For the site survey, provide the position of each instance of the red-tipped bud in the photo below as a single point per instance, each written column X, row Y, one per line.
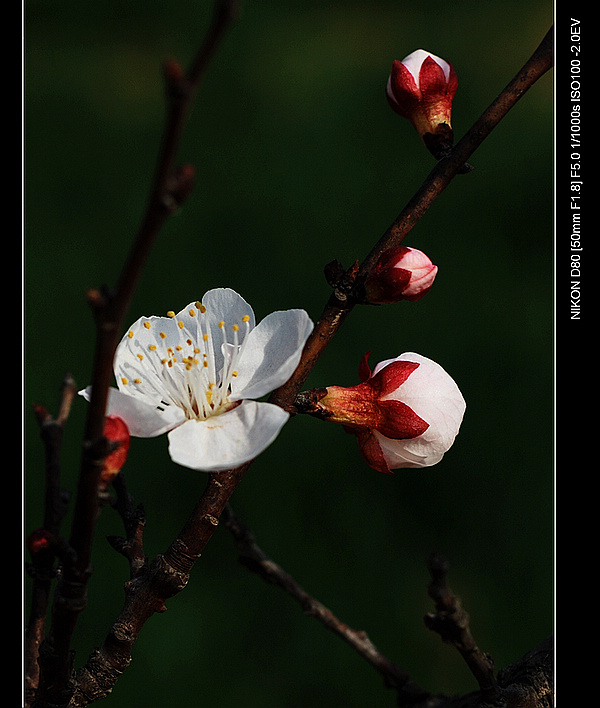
column 421, row 88
column 115, row 431
column 406, row 413
column 38, row 541
column 402, row 273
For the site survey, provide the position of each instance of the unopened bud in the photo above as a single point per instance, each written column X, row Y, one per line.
column 38, row 541
column 115, row 431
column 405, row 413
column 421, row 88
column 401, row 273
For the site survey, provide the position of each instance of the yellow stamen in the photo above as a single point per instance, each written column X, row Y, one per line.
column 170, row 313
column 124, row 381
column 147, row 325
column 152, row 347
column 246, row 318
column 192, row 313
column 130, row 334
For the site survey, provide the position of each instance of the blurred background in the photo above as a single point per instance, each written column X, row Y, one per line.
column 300, row 161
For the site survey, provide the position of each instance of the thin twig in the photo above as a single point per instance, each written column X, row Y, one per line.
column 55, row 507
column 254, row 558
column 451, row 622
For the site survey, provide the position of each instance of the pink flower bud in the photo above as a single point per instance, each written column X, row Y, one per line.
column 116, row 431
column 406, row 413
column 402, row 273
column 421, row 88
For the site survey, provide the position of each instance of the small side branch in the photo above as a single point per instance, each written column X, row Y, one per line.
column 44, row 543
column 258, row 562
column 451, row 622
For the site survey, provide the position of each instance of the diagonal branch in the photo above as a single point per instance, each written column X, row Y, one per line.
column 348, row 290
column 254, row 558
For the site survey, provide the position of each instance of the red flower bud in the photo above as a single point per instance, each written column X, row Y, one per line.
column 402, row 273
column 421, row 88
column 116, row 431
column 39, row 540
column 406, row 413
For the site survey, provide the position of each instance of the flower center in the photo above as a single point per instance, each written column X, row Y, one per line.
column 188, row 364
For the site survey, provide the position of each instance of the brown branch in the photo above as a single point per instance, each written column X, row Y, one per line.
column 42, row 567
column 451, row 622
column 169, row 188
column 134, row 521
column 348, row 289
column 254, row 558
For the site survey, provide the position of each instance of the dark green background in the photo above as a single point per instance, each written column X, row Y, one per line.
column 301, row 161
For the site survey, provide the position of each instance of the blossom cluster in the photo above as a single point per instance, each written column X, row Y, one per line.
column 197, row 375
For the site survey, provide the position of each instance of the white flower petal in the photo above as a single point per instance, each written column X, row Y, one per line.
column 142, row 417
column 434, row 396
column 271, row 353
column 398, row 453
column 414, row 61
column 227, row 440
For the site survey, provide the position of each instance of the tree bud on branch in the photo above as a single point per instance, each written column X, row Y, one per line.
column 421, row 88
column 402, row 273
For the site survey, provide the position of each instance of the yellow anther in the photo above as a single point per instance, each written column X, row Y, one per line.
column 152, row 347
column 235, row 328
column 246, row 318
column 137, row 381
column 201, row 307
column 189, row 342
column 192, row 313
column 205, row 364
column 221, row 324
column 124, row 380
column 163, row 335
column 140, row 357
column 163, row 361
column 196, row 350
column 179, row 347
column 180, row 324
column 130, row 334
column 170, row 313
column 147, row 325
column 188, row 367
column 205, row 337
column 234, row 373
